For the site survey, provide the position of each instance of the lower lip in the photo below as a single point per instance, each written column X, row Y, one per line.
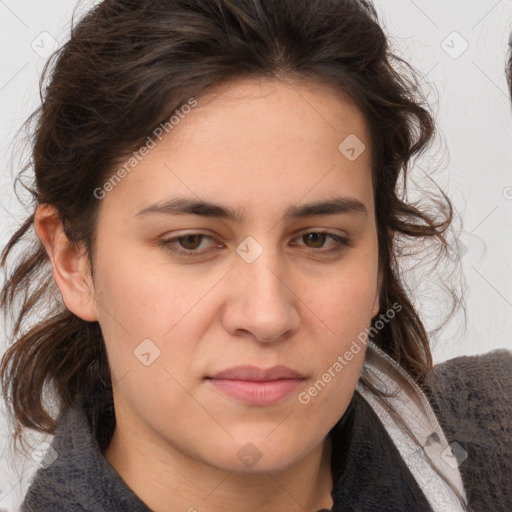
column 257, row 393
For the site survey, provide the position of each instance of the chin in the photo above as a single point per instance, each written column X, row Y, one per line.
column 259, row 453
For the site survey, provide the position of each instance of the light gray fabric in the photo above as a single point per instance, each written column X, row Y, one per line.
column 472, row 397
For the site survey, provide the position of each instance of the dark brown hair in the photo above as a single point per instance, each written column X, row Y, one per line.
column 127, row 66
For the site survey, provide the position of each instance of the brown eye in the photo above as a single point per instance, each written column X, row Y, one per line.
column 323, row 243
column 190, row 242
column 316, row 240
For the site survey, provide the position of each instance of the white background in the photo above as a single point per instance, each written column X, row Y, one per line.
column 468, row 93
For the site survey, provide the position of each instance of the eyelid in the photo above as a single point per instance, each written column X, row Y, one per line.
column 343, row 241
column 166, row 243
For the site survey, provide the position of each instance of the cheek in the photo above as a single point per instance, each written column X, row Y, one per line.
column 342, row 316
column 345, row 300
column 170, row 306
column 342, row 324
column 147, row 298
column 343, row 309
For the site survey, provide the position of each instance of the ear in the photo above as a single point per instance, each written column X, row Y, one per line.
column 70, row 266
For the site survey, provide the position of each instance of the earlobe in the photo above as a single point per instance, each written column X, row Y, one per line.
column 69, row 262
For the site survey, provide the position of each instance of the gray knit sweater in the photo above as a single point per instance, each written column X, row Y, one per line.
column 472, row 398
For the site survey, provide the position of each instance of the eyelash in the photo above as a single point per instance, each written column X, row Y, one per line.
column 341, row 241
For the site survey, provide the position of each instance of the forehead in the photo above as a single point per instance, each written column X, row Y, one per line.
column 239, row 114
column 254, row 143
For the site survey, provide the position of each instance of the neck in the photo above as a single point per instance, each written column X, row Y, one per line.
column 162, row 475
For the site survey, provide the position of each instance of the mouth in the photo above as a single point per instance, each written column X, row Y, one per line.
column 257, row 386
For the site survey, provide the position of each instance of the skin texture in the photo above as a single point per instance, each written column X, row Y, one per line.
column 258, row 146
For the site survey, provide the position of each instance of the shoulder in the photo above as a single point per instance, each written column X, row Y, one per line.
column 474, row 393
column 472, row 398
column 484, row 376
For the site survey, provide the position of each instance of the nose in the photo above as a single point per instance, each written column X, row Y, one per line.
column 262, row 303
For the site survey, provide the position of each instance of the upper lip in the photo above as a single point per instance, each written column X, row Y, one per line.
column 253, row 373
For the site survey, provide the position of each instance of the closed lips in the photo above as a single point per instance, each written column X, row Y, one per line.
column 253, row 373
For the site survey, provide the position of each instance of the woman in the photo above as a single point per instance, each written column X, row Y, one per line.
column 218, row 200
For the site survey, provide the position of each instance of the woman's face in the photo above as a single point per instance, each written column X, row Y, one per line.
column 281, row 269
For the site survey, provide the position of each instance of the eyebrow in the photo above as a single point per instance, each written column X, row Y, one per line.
column 186, row 206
